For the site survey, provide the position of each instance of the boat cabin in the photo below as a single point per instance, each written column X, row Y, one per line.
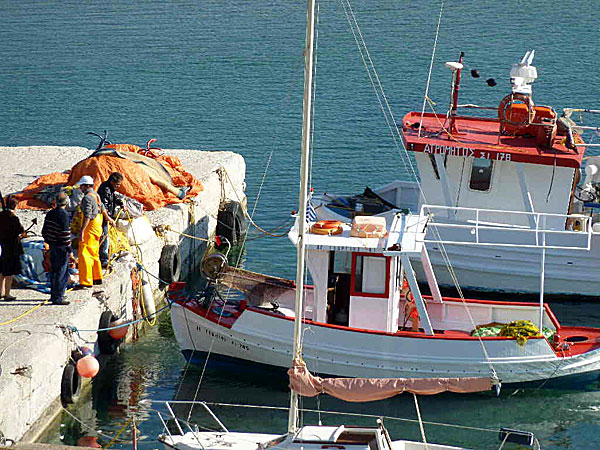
column 362, row 282
column 524, row 158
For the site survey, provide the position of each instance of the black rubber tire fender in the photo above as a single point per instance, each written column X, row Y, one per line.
column 169, row 266
column 231, row 223
column 106, row 344
column 70, row 384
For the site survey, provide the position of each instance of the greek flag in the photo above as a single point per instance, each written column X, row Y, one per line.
column 311, row 213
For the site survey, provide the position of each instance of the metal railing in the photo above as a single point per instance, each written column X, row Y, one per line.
column 193, row 428
column 493, row 227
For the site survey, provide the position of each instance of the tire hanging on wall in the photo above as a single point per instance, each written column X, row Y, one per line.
column 169, row 267
column 231, row 223
column 106, row 344
column 70, row 384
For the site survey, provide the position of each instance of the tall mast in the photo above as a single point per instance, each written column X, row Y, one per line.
column 306, row 133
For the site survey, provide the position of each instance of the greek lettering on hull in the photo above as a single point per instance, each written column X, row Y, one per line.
column 451, row 150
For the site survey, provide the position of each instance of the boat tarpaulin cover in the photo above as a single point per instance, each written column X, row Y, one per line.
column 371, row 389
column 137, row 182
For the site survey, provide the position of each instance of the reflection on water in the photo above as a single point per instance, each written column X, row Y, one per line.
column 154, row 369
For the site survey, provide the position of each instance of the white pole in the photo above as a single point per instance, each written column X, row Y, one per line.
column 306, row 132
column 542, row 273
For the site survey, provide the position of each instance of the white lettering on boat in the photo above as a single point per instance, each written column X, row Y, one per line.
column 465, row 151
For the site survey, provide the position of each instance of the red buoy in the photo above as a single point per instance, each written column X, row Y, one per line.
column 88, row 441
column 88, row 366
column 118, row 333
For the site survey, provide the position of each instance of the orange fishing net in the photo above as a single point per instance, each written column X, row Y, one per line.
column 137, row 178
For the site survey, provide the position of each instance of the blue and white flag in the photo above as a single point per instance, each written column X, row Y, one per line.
column 311, row 213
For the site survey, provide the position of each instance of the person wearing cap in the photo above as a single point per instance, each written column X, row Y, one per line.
column 90, row 268
column 10, row 242
column 57, row 234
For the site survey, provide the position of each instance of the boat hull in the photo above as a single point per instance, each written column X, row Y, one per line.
column 265, row 339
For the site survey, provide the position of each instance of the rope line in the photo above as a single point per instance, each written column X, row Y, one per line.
column 421, row 427
column 426, row 96
column 349, row 414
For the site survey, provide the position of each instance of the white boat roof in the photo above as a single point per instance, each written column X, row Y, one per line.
column 405, row 236
column 319, row 433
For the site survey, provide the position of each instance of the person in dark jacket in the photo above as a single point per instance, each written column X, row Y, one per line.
column 57, row 234
column 106, row 191
column 10, row 243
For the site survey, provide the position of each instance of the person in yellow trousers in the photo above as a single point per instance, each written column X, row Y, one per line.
column 90, row 268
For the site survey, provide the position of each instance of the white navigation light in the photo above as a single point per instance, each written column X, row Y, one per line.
column 454, row 65
column 523, row 74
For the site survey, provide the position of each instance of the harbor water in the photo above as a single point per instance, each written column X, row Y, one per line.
column 228, row 75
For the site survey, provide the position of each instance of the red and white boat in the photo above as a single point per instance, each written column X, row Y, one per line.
column 503, row 169
column 354, row 313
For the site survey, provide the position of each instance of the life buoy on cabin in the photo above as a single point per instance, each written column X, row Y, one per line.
column 70, row 384
column 516, row 112
column 231, row 223
column 327, row 227
column 169, row 266
column 106, row 344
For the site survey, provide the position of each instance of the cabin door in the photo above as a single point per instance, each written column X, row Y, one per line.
column 338, row 287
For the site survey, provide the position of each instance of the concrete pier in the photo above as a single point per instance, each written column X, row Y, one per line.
column 36, row 339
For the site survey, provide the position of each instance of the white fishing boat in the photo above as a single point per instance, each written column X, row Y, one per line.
column 523, row 158
column 301, row 381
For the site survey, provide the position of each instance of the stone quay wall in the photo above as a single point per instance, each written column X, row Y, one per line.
column 36, row 339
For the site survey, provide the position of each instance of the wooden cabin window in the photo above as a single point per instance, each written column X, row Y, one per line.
column 370, row 275
column 481, row 174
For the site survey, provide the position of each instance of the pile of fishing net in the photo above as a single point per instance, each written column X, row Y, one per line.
column 520, row 329
column 151, row 178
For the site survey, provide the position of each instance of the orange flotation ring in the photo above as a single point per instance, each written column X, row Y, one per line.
column 328, row 227
column 516, row 112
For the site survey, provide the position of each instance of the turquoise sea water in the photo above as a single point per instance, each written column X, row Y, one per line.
column 227, row 75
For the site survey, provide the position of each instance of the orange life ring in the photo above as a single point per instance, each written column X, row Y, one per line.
column 328, row 227
column 513, row 119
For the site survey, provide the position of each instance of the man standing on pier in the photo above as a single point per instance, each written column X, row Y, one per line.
column 57, row 234
column 106, row 191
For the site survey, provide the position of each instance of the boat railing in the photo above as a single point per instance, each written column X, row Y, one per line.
column 492, row 227
column 193, row 428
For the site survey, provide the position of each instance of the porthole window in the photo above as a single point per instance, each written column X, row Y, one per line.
column 481, row 174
